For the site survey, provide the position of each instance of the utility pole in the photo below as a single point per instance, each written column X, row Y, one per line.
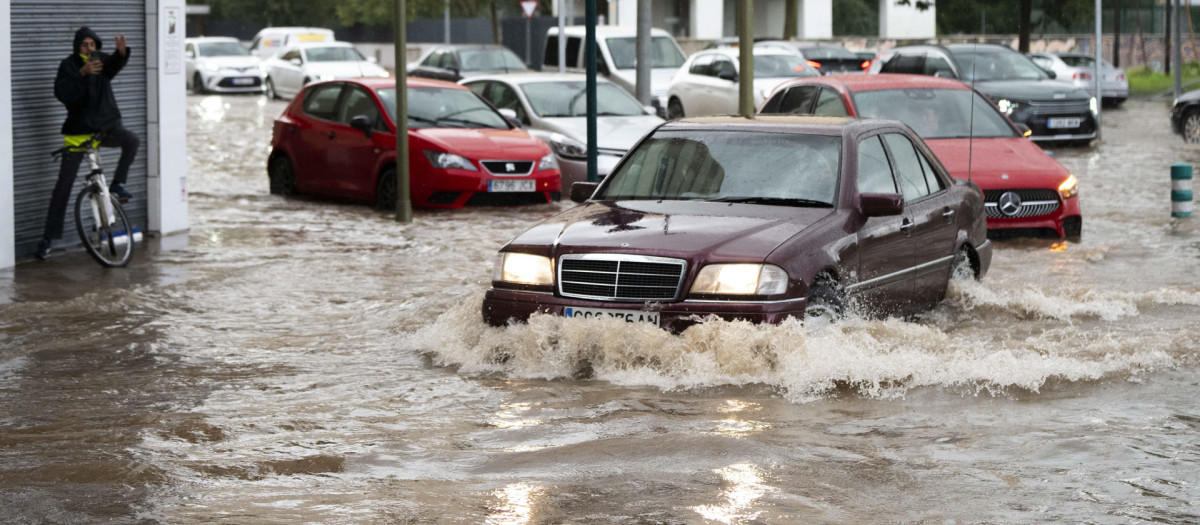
column 745, row 25
column 403, row 199
column 643, row 52
column 590, row 52
column 1099, row 52
column 1177, row 48
column 447, row 31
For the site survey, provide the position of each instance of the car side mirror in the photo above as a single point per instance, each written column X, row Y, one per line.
column 1052, row 74
column 296, row 62
column 363, row 123
column 582, row 191
column 601, row 66
column 1024, row 129
column 728, row 75
column 510, row 115
column 944, row 74
column 189, row 54
column 881, row 204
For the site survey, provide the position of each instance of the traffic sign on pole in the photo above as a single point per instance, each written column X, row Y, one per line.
column 528, row 6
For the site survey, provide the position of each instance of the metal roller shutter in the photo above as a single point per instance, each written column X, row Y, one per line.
column 42, row 32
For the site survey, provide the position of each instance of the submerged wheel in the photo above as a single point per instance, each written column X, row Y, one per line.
column 1191, row 127
column 674, row 109
column 282, row 175
column 964, row 266
column 270, row 89
column 826, row 302
column 109, row 240
column 385, row 190
column 198, row 84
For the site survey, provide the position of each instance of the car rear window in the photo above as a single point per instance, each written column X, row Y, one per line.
column 731, row 165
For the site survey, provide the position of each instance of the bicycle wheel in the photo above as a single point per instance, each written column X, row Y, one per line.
column 109, row 242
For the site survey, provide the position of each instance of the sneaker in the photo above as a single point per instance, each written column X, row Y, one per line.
column 43, row 250
column 121, row 194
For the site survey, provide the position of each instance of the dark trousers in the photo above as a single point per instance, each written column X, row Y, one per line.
column 116, row 138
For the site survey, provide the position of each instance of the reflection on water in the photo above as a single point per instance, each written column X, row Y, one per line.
column 743, row 487
column 516, row 506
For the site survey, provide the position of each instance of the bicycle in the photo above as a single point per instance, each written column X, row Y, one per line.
column 102, row 225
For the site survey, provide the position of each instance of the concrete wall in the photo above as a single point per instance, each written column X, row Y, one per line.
column 906, row 21
column 8, row 247
column 816, row 19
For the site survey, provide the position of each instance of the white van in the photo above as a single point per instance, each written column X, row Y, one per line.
column 270, row 41
column 616, row 58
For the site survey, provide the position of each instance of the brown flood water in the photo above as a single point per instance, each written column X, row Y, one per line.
column 306, row 360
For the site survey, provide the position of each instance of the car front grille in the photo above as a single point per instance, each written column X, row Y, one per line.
column 1033, row 203
column 618, row 277
column 508, row 167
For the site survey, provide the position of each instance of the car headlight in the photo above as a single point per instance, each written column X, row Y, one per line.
column 1069, row 188
column 523, row 268
column 568, row 147
column 741, row 279
column 444, row 161
column 212, row 67
column 549, row 162
column 384, row 74
column 1006, row 106
column 1093, row 105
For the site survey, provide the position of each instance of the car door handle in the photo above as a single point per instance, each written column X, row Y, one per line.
column 906, row 226
column 948, row 214
column 331, row 134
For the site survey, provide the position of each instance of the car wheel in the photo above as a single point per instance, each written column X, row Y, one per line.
column 282, row 175
column 270, row 90
column 1191, row 126
column 198, row 84
column 1073, row 228
column 385, row 190
column 825, row 302
column 674, row 109
column 964, row 266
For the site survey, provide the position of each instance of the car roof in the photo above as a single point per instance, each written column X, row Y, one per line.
column 606, row 31
column 732, row 52
column 286, row 29
column 210, row 39
column 806, row 124
column 387, row 82
column 857, row 83
column 972, row 47
column 470, row 46
column 534, row 76
column 328, row 43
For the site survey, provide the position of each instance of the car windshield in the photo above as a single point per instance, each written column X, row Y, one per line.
column 996, row 64
column 782, row 66
column 223, row 49
column 430, row 107
column 569, row 99
column 935, row 113
column 333, row 54
column 490, row 59
column 730, row 166
column 818, row 53
column 663, row 52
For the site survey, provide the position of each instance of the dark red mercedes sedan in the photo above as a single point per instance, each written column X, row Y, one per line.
column 757, row 219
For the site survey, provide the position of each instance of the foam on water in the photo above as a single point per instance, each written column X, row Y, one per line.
column 876, row 358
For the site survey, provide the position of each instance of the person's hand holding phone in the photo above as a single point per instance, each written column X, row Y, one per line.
column 92, row 66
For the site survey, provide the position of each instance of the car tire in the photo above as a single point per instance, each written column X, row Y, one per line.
column 385, row 190
column 826, row 302
column 1191, row 126
column 282, row 175
column 1073, row 228
column 198, row 84
column 270, row 89
column 674, row 109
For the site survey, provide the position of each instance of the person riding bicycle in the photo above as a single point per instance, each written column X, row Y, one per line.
column 84, row 86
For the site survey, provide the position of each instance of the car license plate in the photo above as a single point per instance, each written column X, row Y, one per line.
column 1062, row 123
column 630, row 316
column 242, row 81
column 504, row 185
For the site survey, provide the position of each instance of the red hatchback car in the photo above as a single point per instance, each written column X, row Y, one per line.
column 1025, row 190
column 338, row 139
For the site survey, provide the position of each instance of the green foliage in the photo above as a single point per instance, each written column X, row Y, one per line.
column 855, row 17
column 324, row 13
column 1144, row 81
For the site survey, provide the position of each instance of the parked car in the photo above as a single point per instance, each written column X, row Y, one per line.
column 757, row 219
column 290, row 71
column 828, row 59
column 1185, row 116
column 1080, row 70
column 337, row 138
column 222, row 65
column 456, row 62
column 1025, row 190
column 553, row 107
column 616, row 58
column 273, row 40
column 708, row 83
column 1056, row 112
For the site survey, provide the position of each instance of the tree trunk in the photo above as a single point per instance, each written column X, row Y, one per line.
column 1116, row 53
column 1026, row 9
column 1167, row 39
column 790, row 13
column 499, row 38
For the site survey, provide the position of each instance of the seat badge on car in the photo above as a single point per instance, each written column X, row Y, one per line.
column 1010, row 203
column 510, row 167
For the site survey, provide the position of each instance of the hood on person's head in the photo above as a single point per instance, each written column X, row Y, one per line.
column 86, row 32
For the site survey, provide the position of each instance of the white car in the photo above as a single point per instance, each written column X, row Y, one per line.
column 553, row 107
column 1079, row 70
column 707, row 84
column 221, row 65
column 289, row 71
column 272, row 40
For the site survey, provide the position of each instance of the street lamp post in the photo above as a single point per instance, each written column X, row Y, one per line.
column 403, row 199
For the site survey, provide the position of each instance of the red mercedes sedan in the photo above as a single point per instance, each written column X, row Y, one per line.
column 1025, row 190
column 338, row 139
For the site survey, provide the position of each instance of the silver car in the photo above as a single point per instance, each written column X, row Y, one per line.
column 1079, row 69
column 553, row 107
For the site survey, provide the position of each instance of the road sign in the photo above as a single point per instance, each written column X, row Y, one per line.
column 528, row 6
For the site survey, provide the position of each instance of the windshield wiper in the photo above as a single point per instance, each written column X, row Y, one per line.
column 468, row 122
column 776, row 201
column 422, row 119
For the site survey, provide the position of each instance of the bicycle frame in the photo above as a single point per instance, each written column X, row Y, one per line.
column 95, row 180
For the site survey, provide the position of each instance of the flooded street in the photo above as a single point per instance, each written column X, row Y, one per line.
column 305, row 360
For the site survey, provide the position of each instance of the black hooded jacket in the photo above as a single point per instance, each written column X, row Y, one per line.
column 90, row 103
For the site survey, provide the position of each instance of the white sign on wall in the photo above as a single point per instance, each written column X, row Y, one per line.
column 172, row 31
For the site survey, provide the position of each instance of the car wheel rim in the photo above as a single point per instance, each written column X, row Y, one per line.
column 1191, row 129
